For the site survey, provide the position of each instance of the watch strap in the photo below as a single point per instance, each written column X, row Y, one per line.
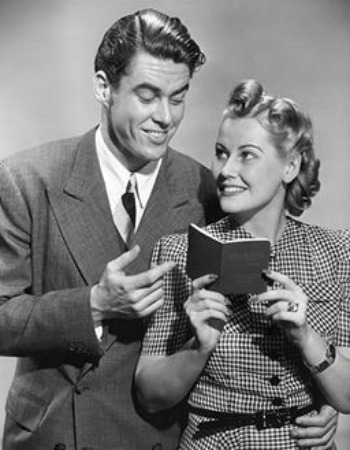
column 328, row 361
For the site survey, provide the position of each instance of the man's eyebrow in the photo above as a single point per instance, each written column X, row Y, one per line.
column 157, row 90
column 184, row 88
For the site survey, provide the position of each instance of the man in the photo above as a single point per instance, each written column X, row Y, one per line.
column 73, row 297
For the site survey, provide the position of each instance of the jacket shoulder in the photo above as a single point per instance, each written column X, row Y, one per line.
column 184, row 161
column 334, row 244
column 197, row 179
column 42, row 156
column 333, row 236
column 46, row 164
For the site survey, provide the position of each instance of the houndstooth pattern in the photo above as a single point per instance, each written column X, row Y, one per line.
column 254, row 367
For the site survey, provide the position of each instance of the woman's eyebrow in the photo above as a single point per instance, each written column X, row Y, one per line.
column 244, row 146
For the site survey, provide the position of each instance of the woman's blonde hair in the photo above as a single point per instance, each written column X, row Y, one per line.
column 290, row 130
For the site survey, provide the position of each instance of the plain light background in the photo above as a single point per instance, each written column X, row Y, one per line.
column 296, row 48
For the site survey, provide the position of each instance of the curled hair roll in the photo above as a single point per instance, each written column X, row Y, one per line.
column 244, row 97
column 290, row 130
column 305, row 186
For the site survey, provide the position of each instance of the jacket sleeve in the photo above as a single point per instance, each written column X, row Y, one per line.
column 56, row 323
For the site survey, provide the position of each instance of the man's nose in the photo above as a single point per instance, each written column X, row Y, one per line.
column 162, row 113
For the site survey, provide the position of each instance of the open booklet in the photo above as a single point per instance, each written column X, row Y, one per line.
column 239, row 263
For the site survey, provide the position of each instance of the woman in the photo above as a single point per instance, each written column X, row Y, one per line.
column 250, row 365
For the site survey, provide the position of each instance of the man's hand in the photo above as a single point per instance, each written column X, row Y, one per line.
column 118, row 295
column 317, row 432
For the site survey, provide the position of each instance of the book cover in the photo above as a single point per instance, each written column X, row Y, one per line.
column 238, row 263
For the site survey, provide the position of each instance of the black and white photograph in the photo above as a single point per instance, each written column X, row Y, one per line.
column 123, row 122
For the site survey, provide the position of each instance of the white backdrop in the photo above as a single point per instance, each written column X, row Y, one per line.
column 296, row 48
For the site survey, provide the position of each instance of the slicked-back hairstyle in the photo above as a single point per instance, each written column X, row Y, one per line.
column 150, row 31
column 290, row 130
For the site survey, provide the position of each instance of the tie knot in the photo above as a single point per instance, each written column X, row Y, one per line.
column 130, row 188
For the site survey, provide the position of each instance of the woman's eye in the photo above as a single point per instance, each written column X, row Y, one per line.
column 220, row 153
column 246, row 155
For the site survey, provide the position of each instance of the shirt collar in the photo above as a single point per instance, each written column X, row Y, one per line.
column 114, row 172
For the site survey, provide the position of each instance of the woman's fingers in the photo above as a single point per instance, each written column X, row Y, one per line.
column 204, row 281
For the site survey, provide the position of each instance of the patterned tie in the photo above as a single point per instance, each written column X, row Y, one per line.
column 128, row 199
column 125, row 213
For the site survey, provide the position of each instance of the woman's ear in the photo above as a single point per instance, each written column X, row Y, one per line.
column 292, row 167
column 102, row 88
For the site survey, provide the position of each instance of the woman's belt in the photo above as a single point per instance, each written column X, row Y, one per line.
column 222, row 421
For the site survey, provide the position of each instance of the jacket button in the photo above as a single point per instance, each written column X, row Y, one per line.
column 60, row 446
column 273, row 354
column 275, row 380
column 277, row 401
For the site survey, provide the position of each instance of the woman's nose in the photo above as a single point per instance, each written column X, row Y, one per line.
column 231, row 168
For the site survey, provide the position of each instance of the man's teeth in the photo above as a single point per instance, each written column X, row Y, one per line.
column 233, row 189
column 156, row 133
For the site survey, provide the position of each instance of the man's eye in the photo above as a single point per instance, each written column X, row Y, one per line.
column 177, row 100
column 145, row 95
column 146, row 98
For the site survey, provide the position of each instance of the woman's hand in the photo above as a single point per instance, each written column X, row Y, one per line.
column 208, row 312
column 287, row 307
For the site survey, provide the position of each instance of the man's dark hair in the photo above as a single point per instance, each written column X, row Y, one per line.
column 150, row 31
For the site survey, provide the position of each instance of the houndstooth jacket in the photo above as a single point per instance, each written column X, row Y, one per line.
column 254, row 367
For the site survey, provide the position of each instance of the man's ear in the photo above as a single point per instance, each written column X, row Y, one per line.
column 102, row 88
column 292, row 167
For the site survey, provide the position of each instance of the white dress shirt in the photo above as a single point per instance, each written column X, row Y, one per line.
column 116, row 178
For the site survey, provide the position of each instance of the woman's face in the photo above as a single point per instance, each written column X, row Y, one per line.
column 249, row 170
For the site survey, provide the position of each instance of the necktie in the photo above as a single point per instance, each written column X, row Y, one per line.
column 125, row 212
column 128, row 199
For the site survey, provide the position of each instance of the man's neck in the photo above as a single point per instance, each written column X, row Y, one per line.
column 131, row 163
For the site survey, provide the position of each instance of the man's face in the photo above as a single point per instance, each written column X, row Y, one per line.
column 146, row 109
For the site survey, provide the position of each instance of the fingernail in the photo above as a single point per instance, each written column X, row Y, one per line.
column 253, row 299
column 267, row 272
column 213, row 276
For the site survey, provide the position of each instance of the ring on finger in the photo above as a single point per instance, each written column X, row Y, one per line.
column 292, row 306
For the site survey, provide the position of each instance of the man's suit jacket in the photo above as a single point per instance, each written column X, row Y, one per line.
column 56, row 237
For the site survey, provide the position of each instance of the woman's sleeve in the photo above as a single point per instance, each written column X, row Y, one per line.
column 168, row 328
column 343, row 325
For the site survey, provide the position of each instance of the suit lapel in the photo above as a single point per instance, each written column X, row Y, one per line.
column 161, row 215
column 83, row 214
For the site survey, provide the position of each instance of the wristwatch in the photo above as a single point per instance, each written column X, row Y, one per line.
column 328, row 361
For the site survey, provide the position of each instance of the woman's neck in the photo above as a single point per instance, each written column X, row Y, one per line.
column 265, row 225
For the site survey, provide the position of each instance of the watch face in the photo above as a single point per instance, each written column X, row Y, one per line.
column 329, row 359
